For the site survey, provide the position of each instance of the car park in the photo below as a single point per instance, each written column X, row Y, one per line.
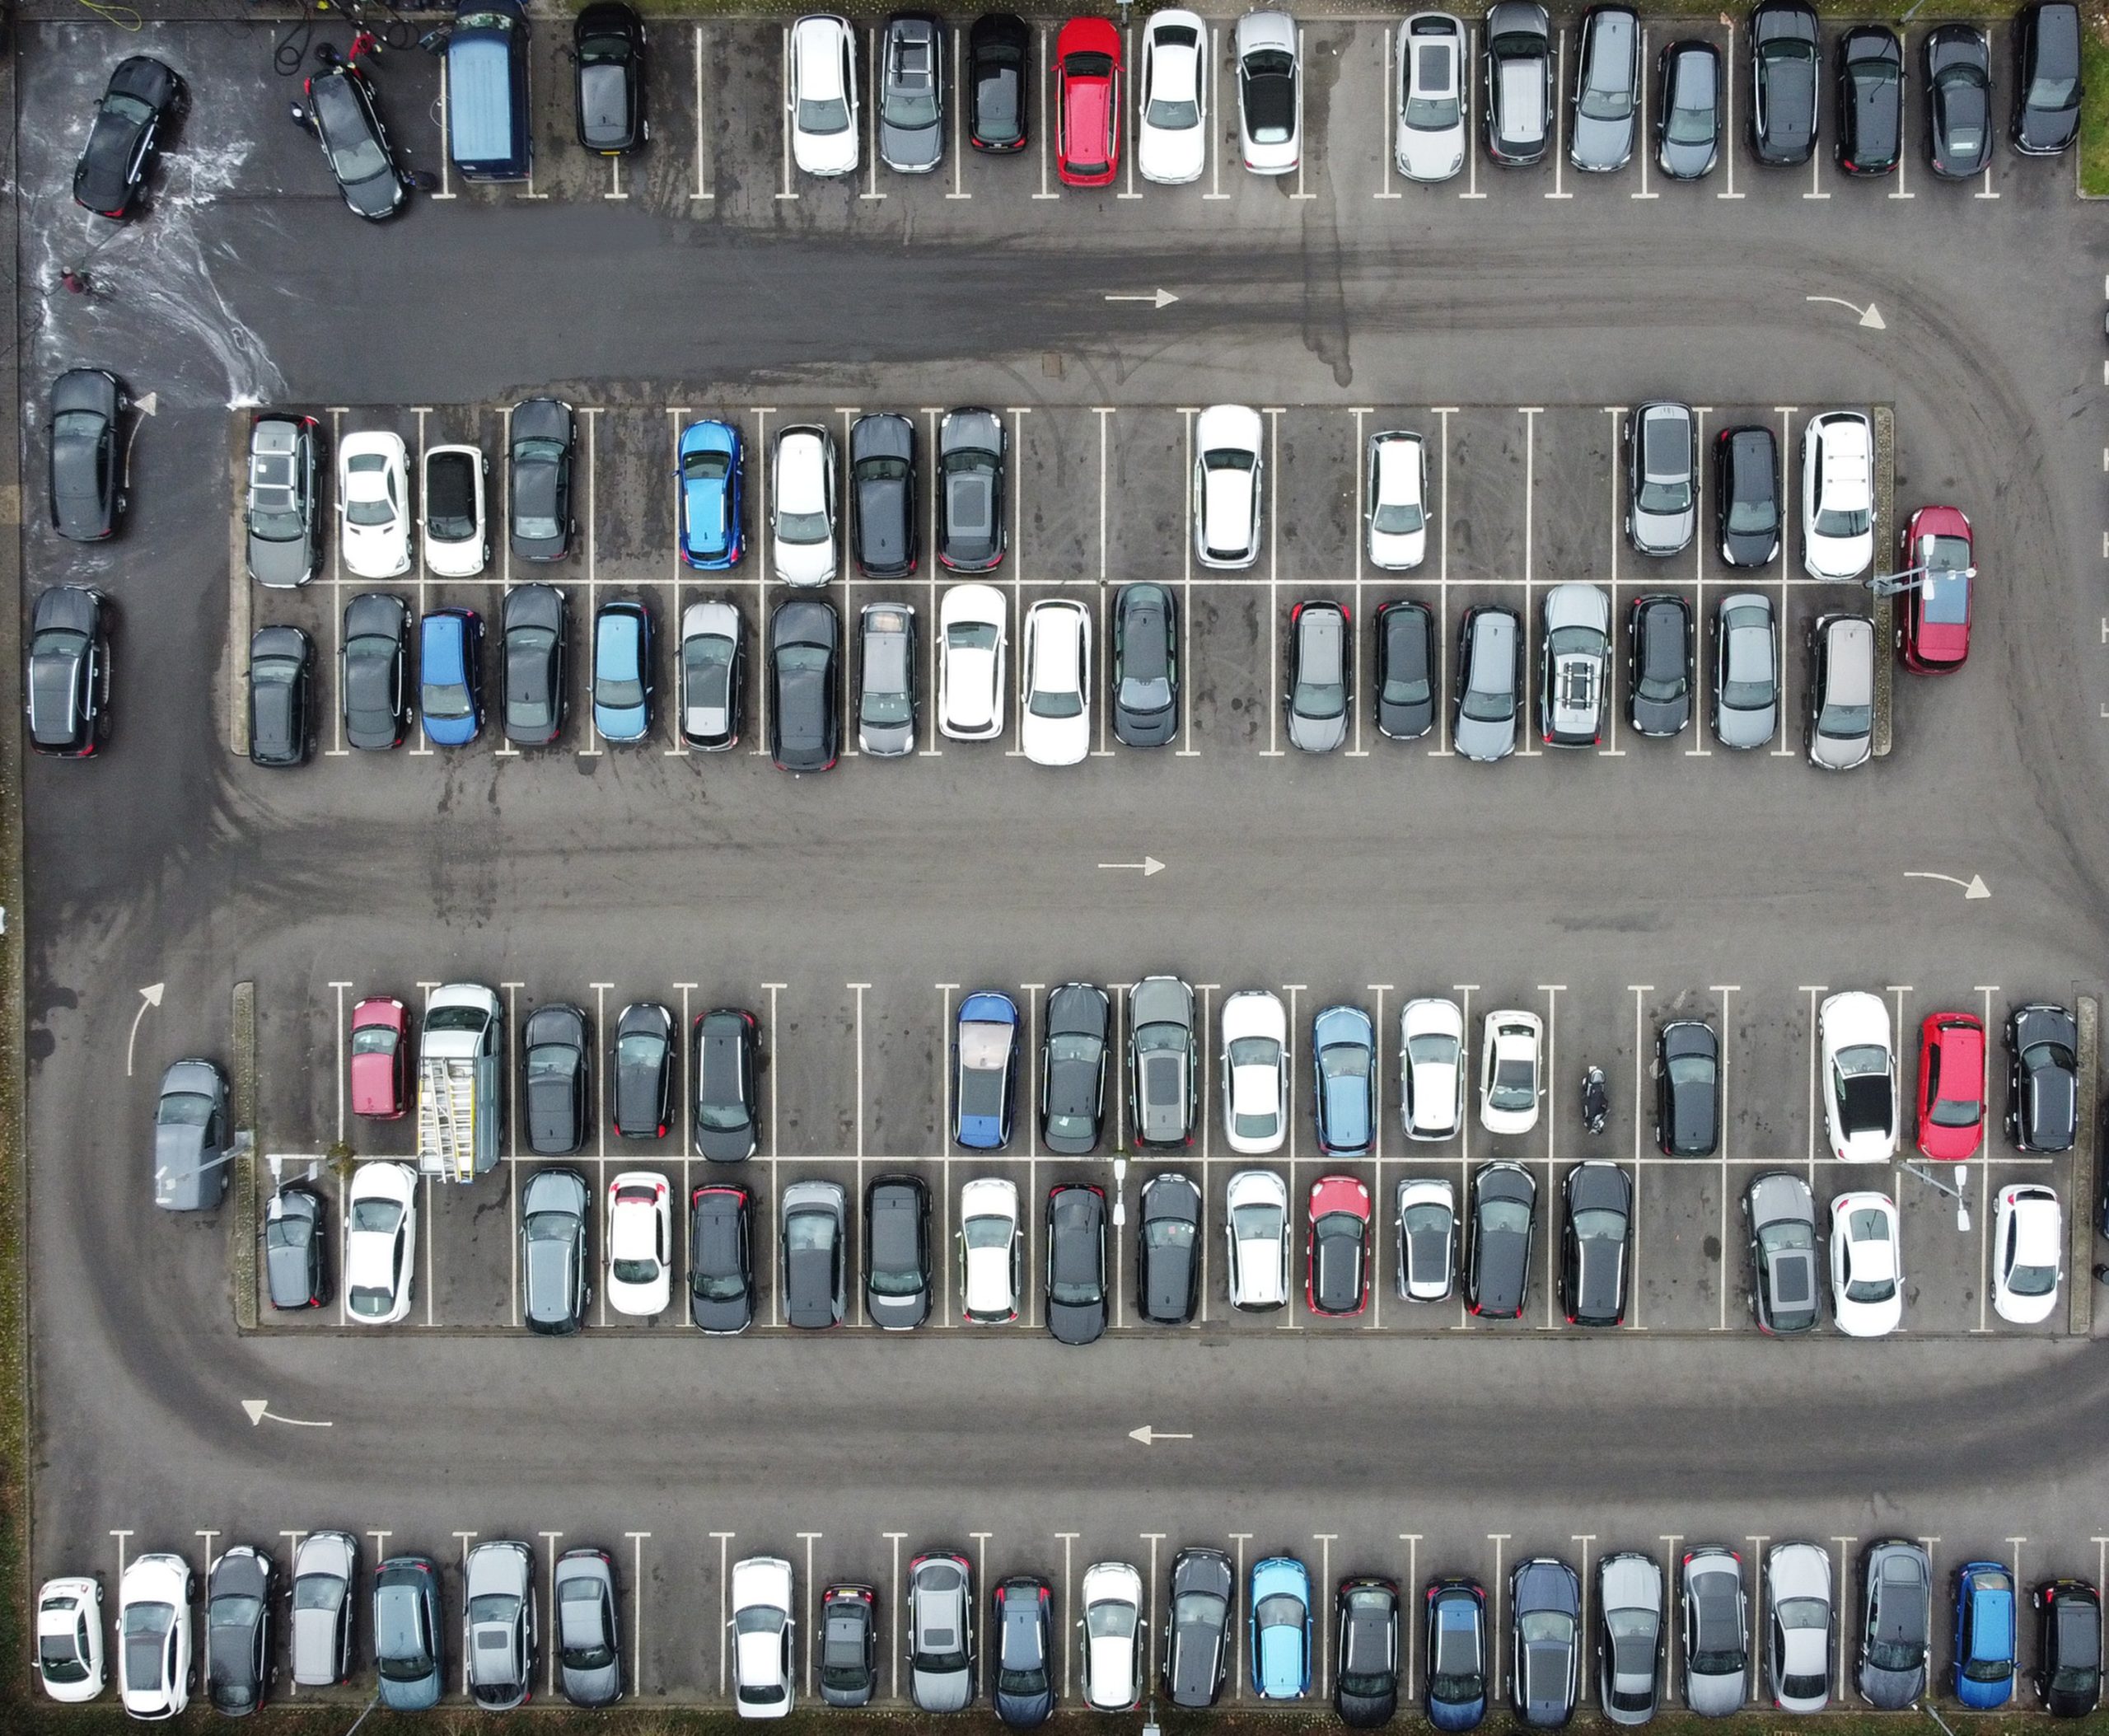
column 1511, row 1042
column 990, row 1251
column 557, row 1066
column 805, row 656
column 823, row 96
column 2046, row 88
column 1504, row 1205
column 1604, row 114
column 1145, row 684
column 1596, row 1244
column 1228, row 474
column 1870, row 100
column 587, row 1636
column 999, row 83
column 1405, row 669
column 1746, row 688
column 155, row 1673
column 1254, row 1060
column 886, row 680
column 1786, row 58
column 727, row 1112
column 1280, row 1621
column 1163, row 1063
column 720, row 1258
column 710, row 467
column 282, row 546
column 1661, row 476
column 381, row 1242
column 972, row 453
column 1687, row 1089
column 1336, row 1272
column 1088, row 100
column 1072, row 1068
column 88, row 465
column 883, row 512
column 765, row 1636
column 1837, row 494
column 1896, row 1623
column 1659, row 665
column 538, row 470
column 2042, row 1046
column 816, row 1241
column 2028, row 1234
column 1630, row 1630
column 1197, row 1640
column 1256, row 1229
column 1114, row 1634
column 241, row 1594
column 849, row 1645
column 1426, row 1220
column 1859, row 1069
column 1867, row 1265
column 971, row 626
column 456, row 535
column 1054, row 710
column 1489, row 684
column 714, row 657
column 1544, row 1609
column 1983, row 1670
column 611, row 77
column 66, row 687
column 1716, row 1619
column 1952, row 1079
column 1343, row 1063
column 1366, row 1661
column 641, row 1070
column 1574, row 685
column 451, row 676
column 1077, row 1299
column 941, row 1632
column 373, row 509
column 1432, row 57
column 555, row 1206
column 500, row 1639
column 1841, row 692
column 1688, row 98
column 911, row 94
column 1797, row 1604
column 192, row 1136
column 281, row 696
column 346, row 121
column 1397, row 511
column 1518, row 102
column 1168, row 1250
column 2068, row 1673
column 1458, row 1666
column 1958, row 75
column 1320, row 675
column 1933, row 631
column 1746, row 514
column 1269, row 59
column 985, row 1068
column 293, row 1237
column 1020, row 1613
column 374, row 671
column 125, row 137
column 1172, row 109
column 321, row 1623
column 409, row 1644
column 1779, row 1214
column 897, row 1252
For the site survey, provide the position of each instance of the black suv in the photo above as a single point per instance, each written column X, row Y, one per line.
column 1870, row 100
column 1687, row 1089
column 2067, row 1672
column 67, row 686
column 2046, row 82
column 1747, row 495
column 1593, row 1243
column 1023, row 1691
column 281, row 696
column 1786, row 76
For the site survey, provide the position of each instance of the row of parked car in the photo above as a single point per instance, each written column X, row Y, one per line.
column 1720, row 1659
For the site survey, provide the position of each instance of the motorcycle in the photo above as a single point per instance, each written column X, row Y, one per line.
column 1596, row 1100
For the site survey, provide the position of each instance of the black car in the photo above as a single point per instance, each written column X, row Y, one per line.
column 1747, row 495
column 1593, row 1242
column 535, row 637
column 1072, row 1068
column 1503, row 1224
column 997, row 82
column 557, row 1065
column 1687, row 1089
column 643, row 1070
column 849, row 1645
column 1959, row 62
column 2067, row 1672
column 1145, row 665
column 882, row 506
column 374, row 670
column 1197, row 1635
column 2046, row 80
column 1786, row 61
column 805, row 685
column 1076, row 1263
column 1895, row 1651
column 607, row 48
column 1405, row 670
column 1022, row 1620
column 293, row 1242
column 1660, row 660
column 538, row 479
column 1687, row 110
column 87, row 462
column 2042, row 1042
column 347, row 124
column 1168, row 1250
column 1870, row 100
column 727, row 1041
column 720, row 1258
column 281, row 696
column 140, row 98
column 66, row 687
column 897, row 1252
column 971, row 528
column 815, row 1235
column 240, row 1609
column 555, row 1207
column 1366, row 1673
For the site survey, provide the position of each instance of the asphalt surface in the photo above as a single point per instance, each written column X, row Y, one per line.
column 1719, row 885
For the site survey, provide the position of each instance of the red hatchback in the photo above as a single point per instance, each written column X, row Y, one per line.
column 1951, row 1086
column 1336, row 1278
column 1934, row 634
column 1088, row 102
column 380, row 1058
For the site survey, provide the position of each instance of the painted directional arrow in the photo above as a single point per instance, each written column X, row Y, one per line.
column 147, row 405
column 1156, row 298
column 1148, row 1436
column 258, row 1408
column 1870, row 315
column 149, row 996
column 1148, row 865
column 1973, row 888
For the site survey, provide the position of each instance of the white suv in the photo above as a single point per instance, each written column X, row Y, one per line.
column 1837, row 499
column 988, row 1251
column 1256, row 1221
column 1227, row 472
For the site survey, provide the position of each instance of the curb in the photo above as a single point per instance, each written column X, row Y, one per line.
column 1884, row 430
column 2080, row 1199
column 242, row 1253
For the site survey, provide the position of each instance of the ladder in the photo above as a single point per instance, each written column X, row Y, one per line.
column 447, row 1120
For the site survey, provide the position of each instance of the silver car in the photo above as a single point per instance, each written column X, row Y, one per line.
column 555, row 1208
column 589, row 1646
column 940, row 1633
column 1605, row 114
column 912, row 94
column 1163, row 1061
column 1716, row 1632
column 1431, row 1068
column 1798, row 1634
column 325, row 1566
column 885, row 679
column 1489, row 684
column 190, row 1138
column 1628, row 1636
column 498, row 1624
column 1430, row 145
column 1661, row 477
column 1427, row 1209
column 1745, row 672
column 1841, row 691
column 1576, row 678
column 713, row 660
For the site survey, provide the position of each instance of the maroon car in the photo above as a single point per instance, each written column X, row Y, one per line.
column 1933, row 619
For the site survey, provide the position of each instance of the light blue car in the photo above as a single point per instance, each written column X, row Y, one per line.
column 1983, row 1636
column 712, row 472
column 1281, row 1628
column 1344, row 1057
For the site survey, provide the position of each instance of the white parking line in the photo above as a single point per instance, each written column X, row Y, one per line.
column 1529, row 414
column 1135, row 119
column 1757, row 1542
column 787, row 192
column 637, row 1609
column 701, row 179
column 601, row 1135
column 1360, row 625
column 1721, row 1149
column 1067, row 1539
column 1672, row 1572
column 1728, row 132
column 1560, row 119
column 465, row 1538
column 724, row 1541
column 1497, row 1539
column 1241, row 1538
column 1324, row 1540
column 1786, row 414
column 1645, row 150
column 1986, row 991
column 945, row 1140
column 676, row 414
column 1639, row 1095
column 1844, row 1570
column 1186, row 749
column 1903, row 150
column 1699, row 749
column 1047, row 70
column 1411, row 1539
column 1471, row 125
column 763, row 556
column 1813, row 991
column 1274, row 415
column 809, row 1539
column 592, row 748
column 959, row 167
column 1815, row 176
column 1616, row 412
column 1443, row 749
column 1304, row 146
column 549, row 1592
column 512, row 1137
column 1586, row 1538
column 872, row 169
column 930, row 415
column 1384, row 108
column 1551, row 991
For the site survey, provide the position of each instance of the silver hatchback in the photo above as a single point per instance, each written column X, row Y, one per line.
column 325, row 1567
column 498, row 1624
column 1489, row 686
column 941, row 1632
column 1841, row 691
column 1163, row 1061
column 1661, row 477
column 885, row 677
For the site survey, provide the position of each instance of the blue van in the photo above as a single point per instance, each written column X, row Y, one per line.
column 488, row 135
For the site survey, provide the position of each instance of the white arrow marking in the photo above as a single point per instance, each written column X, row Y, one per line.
column 1149, row 865
column 1147, row 1435
column 1870, row 315
column 148, row 405
column 1156, row 298
column 149, row 996
column 1973, row 888
column 256, row 1408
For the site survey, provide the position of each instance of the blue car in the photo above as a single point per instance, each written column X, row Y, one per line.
column 1983, row 1636
column 622, row 672
column 1456, row 1654
column 713, row 465
column 986, row 1069
column 1281, row 1628
column 451, row 676
column 1344, row 1057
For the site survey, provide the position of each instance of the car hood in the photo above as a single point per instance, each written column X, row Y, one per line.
column 278, row 563
column 949, row 1690
column 1600, row 144
column 1715, row 1695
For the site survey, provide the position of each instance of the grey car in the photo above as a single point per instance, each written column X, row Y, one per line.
column 816, row 1227
column 293, row 1242
column 1897, row 1621
column 1544, row 1601
column 242, row 1598
column 713, row 669
column 409, row 1645
column 373, row 670
column 1576, row 679
column 557, row 1063
column 897, row 1252
column 588, row 1643
column 1518, row 83
column 498, row 1637
column 970, row 531
column 1606, row 111
column 1489, row 684
column 1688, row 109
column 66, row 687
column 282, row 540
column 1628, row 1636
column 325, row 1573
column 281, row 696
column 538, row 474
column 190, row 1138
column 1785, row 1285
column 1841, row 691
column 912, row 94
column 1198, row 1634
column 886, row 680
column 1716, row 1632
column 1661, row 477
column 87, row 454
column 1321, row 667
column 1163, row 1061
column 554, row 1208
column 1168, row 1250
column 940, row 1632
column 882, row 504
column 1746, row 700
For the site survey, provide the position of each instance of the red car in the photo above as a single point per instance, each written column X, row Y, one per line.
column 380, row 1058
column 1951, row 1086
column 1934, row 633
column 1088, row 102
column 1336, row 1272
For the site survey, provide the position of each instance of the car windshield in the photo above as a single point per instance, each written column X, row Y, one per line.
column 1691, row 1070
column 2048, row 91
column 1108, row 1620
column 1321, row 699
column 1843, row 521
column 1888, row 1653
column 1346, row 1061
column 801, row 527
column 551, row 1227
column 1057, row 702
column 551, row 1061
column 378, row 1216
column 809, row 1232
column 970, row 636
column 823, row 114
column 2032, row 1280
column 986, row 1231
column 1399, row 518
column 1515, row 1083
column 1281, row 1610
column 912, row 110
column 1257, row 1223
column 800, row 659
column 184, row 1109
column 355, row 154
column 642, row 1049
column 1504, row 1217
column 1691, row 124
column 1170, row 1233
column 1757, row 517
column 1608, row 95
column 373, row 1039
column 1490, row 705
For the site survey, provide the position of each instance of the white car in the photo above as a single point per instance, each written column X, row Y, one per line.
column 1113, row 1636
column 1226, row 476
column 1255, row 1071
column 153, row 1635
column 639, row 1242
column 457, row 536
column 801, row 527
column 1054, row 727
column 2028, row 1236
column 1256, row 1224
column 1509, row 1083
column 1398, row 502
column 1171, row 132
column 823, row 97
column 1428, row 1239
column 1867, row 1265
column 1859, row 1073
column 381, row 1242
column 373, row 504
column 69, row 1638
column 1269, row 92
column 972, row 620
column 988, row 1278
column 1798, row 1592
column 1431, row 1069
column 1838, row 498
column 1430, row 145
column 763, row 1678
